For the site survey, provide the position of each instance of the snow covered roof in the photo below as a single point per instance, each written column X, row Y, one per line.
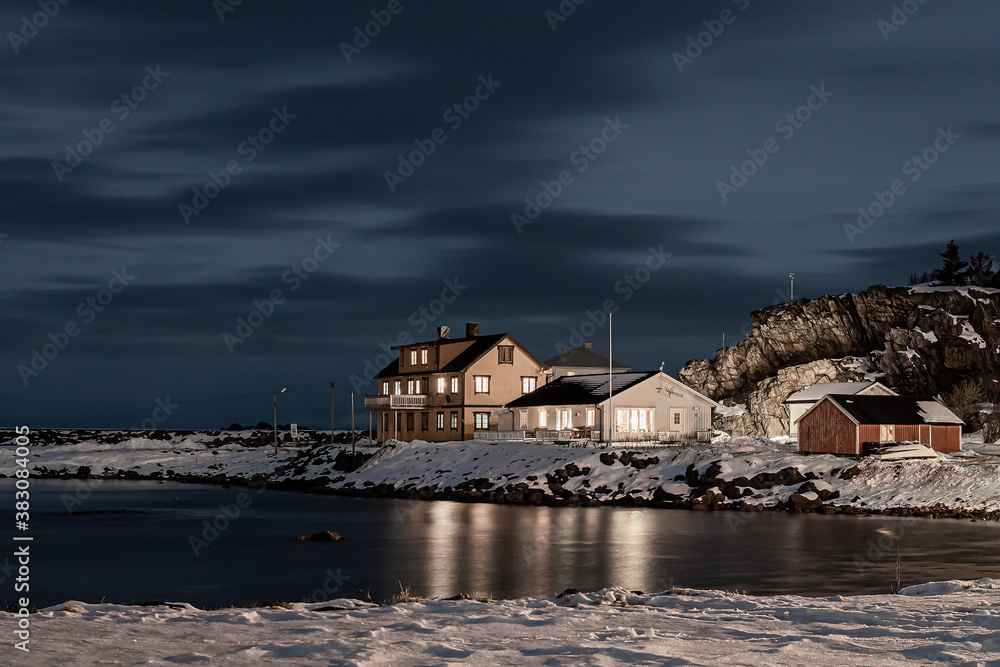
column 817, row 391
column 894, row 410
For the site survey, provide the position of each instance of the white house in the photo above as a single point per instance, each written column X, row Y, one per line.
column 647, row 405
column 801, row 402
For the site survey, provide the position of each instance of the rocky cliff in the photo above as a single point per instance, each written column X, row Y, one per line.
column 918, row 340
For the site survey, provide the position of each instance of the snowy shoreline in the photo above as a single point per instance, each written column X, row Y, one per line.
column 742, row 474
column 953, row 621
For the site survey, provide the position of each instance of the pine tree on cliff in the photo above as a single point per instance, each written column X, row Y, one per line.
column 981, row 273
column 953, row 271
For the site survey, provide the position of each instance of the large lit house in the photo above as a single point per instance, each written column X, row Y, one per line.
column 446, row 389
column 648, row 405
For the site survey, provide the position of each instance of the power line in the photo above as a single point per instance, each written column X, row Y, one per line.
column 178, row 400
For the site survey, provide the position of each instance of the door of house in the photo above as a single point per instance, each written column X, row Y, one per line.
column 676, row 420
column 562, row 419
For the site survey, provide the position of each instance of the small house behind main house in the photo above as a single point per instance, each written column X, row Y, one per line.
column 849, row 424
column 800, row 402
column 583, row 360
column 648, row 405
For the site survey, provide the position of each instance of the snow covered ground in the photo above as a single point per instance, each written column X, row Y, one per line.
column 956, row 623
column 743, row 473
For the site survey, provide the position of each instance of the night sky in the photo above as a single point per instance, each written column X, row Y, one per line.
column 166, row 168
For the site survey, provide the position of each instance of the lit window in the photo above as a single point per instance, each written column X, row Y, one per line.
column 523, row 416
column 399, row 387
column 454, row 385
column 423, row 356
column 506, row 354
column 409, row 387
column 454, row 420
column 591, row 416
column 633, row 421
column 527, row 385
column 413, row 357
column 482, row 384
column 440, row 421
column 385, row 388
column 440, row 385
column 543, row 419
column 482, row 420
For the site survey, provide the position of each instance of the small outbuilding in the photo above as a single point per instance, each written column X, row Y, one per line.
column 849, row 424
column 800, row 402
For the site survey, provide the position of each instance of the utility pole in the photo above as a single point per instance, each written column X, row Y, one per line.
column 331, row 412
column 274, row 398
column 354, row 435
column 611, row 388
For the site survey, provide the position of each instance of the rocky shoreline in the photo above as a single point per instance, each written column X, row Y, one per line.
column 708, row 490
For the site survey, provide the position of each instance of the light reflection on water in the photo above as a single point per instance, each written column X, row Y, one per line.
column 441, row 549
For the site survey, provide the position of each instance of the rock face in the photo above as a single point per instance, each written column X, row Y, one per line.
column 916, row 340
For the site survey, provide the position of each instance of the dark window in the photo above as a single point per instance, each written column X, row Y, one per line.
column 409, row 421
column 506, row 354
column 425, row 418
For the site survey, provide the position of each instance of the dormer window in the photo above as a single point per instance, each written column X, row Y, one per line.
column 506, row 354
column 413, row 357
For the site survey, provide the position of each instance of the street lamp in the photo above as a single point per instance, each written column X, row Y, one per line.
column 275, row 399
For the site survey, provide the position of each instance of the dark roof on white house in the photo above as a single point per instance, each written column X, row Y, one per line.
column 579, row 389
column 894, row 410
column 585, row 357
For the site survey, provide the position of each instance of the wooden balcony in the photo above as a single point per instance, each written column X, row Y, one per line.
column 397, row 402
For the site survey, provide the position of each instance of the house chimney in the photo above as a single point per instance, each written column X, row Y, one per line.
column 588, row 345
column 471, row 329
column 444, row 333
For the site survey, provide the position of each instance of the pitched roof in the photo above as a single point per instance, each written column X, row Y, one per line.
column 817, row 391
column 894, row 410
column 470, row 355
column 579, row 389
column 584, row 357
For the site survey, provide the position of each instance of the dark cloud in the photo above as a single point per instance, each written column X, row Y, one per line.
column 323, row 177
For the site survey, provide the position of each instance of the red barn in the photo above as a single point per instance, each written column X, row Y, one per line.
column 845, row 424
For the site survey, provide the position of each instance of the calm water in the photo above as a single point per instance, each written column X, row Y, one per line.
column 443, row 549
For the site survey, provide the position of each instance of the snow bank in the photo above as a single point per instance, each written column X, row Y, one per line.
column 956, row 625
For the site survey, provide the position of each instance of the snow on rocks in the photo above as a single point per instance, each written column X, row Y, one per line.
column 743, row 473
column 951, row 622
